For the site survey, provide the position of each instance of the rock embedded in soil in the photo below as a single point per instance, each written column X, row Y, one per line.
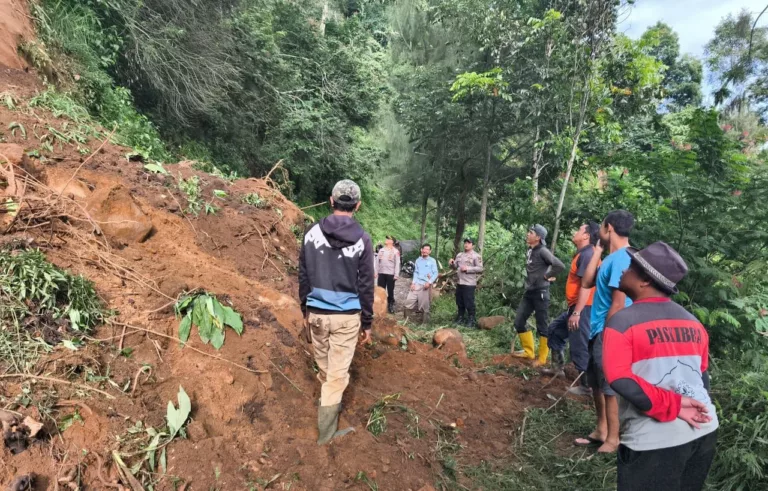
column 489, row 323
column 380, row 302
column 122, row 219
column 443, row 335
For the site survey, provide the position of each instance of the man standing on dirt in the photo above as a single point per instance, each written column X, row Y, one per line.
column 541, row 267
column 573, row 324
column 656, row 356
column 388, row 270
column 469, row 265
column 614, row 234
column 424, row 276
column 336, row 276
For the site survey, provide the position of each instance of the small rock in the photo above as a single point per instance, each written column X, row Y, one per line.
column 472, row 376
column 385, row 460
column 385, row 469
column 262, row 461
column 173, row 207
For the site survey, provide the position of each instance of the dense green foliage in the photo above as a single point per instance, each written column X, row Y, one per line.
column 243, row 84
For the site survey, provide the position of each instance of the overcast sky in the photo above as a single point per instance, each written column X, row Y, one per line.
column 693, row 20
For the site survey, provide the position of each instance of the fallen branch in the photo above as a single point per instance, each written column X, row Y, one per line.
column 286, row 377
column 56, row 381
column 187, row 346
column 565, row 393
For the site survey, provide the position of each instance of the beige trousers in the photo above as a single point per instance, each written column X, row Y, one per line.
column 419, row 299
column 334, row 338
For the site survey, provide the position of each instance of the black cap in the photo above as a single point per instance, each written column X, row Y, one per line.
column 662, row 263
column 469, row 239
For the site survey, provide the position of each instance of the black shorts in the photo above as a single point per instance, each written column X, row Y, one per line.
column 595, row 374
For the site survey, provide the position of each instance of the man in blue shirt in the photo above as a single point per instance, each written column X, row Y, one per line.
column 424, row 276
column 614, row 234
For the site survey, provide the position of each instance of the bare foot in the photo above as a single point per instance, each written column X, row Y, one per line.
column 608, row 447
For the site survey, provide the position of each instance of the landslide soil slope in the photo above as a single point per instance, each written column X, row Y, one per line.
column 253, row 423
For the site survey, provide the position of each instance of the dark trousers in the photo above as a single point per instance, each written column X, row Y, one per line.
column 558, row 333
column 533, row 302
column 681, row 468
column 387, row 281
column 465, row 300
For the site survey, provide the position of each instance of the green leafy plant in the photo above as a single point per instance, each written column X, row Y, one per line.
column 203, row 310
column 254, row 199
column 155, row 168
column 47, row 290
column 191, row 189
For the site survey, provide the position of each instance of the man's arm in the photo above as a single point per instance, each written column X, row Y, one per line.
column 433, row 271
column 477, row 265
column 659, row 404
column 618, row 302
column 304, row 286
column 556, row 266
column 590, row 272
column 365, row 283
column 581, row 302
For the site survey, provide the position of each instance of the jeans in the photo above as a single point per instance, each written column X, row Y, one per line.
column 387, row 281
column 578, row 340
column 533, row 302
column 681, row 468
column 465, row 300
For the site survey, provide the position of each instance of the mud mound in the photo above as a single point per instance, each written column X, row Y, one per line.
column 253, row 420
column 15, row 27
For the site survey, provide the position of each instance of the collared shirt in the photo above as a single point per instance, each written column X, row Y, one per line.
column 578, row 268
column 426, row 271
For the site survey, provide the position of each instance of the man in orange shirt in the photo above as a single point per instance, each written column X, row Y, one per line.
column 573, row 325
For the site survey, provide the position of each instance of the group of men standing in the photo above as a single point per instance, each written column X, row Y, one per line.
column 627, row 338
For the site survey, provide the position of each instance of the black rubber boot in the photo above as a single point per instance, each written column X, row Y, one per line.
column 471, row 322
column 558, row 361
column 391, row 307
column 459, row 320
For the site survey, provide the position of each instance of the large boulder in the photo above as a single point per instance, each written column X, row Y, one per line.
column 119, row 215
column 489, row 323
column 388, row 332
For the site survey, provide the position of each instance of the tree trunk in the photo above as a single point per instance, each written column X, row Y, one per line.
column 424, row 202
column 484, row 200
column 537, row 153
column 438, row 217
column 569, row 168
column 323, row 18
column 461, row 215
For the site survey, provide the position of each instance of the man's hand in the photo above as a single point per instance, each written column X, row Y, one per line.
column 413, row 287
column 573, row 322
column 463, row 269
column 693, row 412
column 375, row 275
column 451, row 261
column 365, row 337
column 427, row 286
column 552, row 279
column 599, row 247
column 397, row 278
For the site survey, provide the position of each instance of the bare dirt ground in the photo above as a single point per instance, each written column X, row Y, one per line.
column 253, row 420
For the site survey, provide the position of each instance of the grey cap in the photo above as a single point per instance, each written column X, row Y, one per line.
column 662, row 263
column 541, row 232
column 346, row 191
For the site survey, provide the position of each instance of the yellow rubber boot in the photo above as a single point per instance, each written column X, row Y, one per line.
column 526, row 340
column 543, row 352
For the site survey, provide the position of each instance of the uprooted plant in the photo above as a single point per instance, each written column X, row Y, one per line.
column 145, row 442
column 37, row 289
column 204, row 310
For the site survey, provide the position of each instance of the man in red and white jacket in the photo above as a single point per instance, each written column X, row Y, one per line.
column 656, row 356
